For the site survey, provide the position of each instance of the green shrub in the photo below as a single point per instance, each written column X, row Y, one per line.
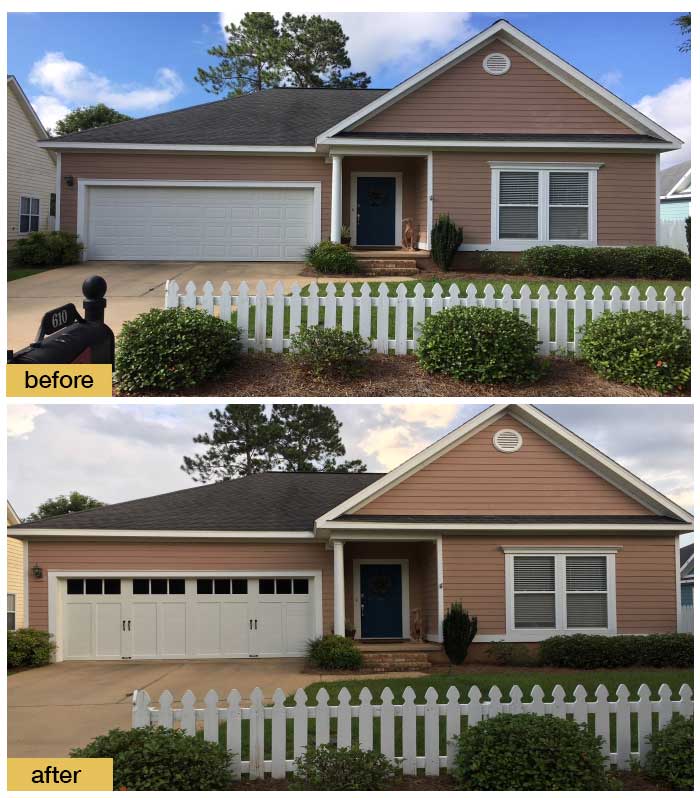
column 515, row 654
column 46, row 249
column 329, row 258
column 651, row 263
column 334, row 653
column 670, row 760
column 529, row 752
column 458, row 631
column 329, row 352
column 327, row 768
column 592, row 652
column 480, row 345
column 446, row 239
column 169, row 350
column 498, row 263
column 29, row 648
column 651, row 350
column 155, row 758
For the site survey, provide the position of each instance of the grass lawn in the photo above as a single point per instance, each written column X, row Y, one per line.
column 17, row 273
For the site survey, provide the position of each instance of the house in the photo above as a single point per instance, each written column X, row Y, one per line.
column 16, row 574
column 31, row 169
column 687, row 574
column 533, row 529
column 675, row 192
column 519, row 146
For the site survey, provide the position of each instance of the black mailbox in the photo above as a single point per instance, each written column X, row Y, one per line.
column 64, row 336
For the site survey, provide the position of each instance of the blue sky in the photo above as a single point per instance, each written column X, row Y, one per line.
column 67, row 59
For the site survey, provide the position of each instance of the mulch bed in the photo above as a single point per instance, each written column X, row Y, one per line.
column 422, row 783
column 393, row 375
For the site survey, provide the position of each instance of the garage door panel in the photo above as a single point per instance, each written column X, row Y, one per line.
column 126, row 222
column 173, row 629
column 270, row 633
column 145, row 629
column 108, row 619
column 78, row 631
column 234, row 630
column 298, row 624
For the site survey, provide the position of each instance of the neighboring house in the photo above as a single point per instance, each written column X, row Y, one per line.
column 675, row 192
column 687, row 575
column 534, row 530
column 16, row 571
column 31, row 169
column 519, row 146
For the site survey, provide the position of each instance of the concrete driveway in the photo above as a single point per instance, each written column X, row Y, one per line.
column 133, row 287
column 56, row 708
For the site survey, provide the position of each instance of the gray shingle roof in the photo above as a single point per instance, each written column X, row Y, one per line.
column 669, row 177
column 275, row 117
column 269, row 502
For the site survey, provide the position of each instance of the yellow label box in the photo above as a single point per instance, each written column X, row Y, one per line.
column 63, row 774
column 56, row 379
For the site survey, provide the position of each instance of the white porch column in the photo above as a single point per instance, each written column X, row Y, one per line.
column 338, row 589
column 337, row 199
column 429, row 198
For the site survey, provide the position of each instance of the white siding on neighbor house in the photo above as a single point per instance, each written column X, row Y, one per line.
column 675, row 209
column 31, row 171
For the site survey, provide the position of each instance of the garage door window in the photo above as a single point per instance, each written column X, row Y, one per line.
column 94, row 587
column 284, row 587
column 222, row 587
column 159, row 587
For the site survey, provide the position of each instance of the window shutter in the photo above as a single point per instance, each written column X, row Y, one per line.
column 568, row 206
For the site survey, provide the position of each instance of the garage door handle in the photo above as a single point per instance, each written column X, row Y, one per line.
column 123, row 626
column 256, row 623
column 251, row 623
column 129, row 625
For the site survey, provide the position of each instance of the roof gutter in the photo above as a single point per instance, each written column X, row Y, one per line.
column 493, row 144
column 446, row 528
column 49, row 144
column 156, row 534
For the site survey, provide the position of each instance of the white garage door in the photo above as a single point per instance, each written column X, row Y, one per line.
column 160, row 223
column 183, row 618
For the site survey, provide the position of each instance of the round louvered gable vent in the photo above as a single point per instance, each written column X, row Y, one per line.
column 496, row 64
column 507, row 440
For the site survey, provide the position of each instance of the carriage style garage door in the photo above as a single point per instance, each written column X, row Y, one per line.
column 197, row 223
column 185, row 618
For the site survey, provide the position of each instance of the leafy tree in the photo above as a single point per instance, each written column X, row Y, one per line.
column 74, row 502
column 261, row 53
column 683, row 23
column 88, row 117
column 238, row 446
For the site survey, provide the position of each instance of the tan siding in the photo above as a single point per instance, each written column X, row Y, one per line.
column 158, row 166
column 474, row 478
column 474, row 573
column 31, row 171
column 175, row 557
column 466, row 99
column 626, row 191
column 15, row 576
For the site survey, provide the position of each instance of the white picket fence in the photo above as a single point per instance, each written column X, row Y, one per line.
column 278, row 734
column 344, row 308
column 672, row 234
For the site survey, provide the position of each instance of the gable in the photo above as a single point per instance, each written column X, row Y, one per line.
column 474, row 478
column 466, row 99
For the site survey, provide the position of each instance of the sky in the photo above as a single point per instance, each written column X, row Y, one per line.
column 64, row 60
column 127, row 451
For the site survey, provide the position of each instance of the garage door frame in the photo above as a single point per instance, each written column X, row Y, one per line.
column 56, row 603
column 84, row 184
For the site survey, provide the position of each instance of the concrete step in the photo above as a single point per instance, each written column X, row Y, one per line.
column 389, row 268
column 385, row 662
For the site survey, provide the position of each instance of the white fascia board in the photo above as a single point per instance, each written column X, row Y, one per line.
column 189, row 535
column 687, row 565
column 464, row 146
column 681, row 184
column 390, row 528
column 529, row 48
column 237, row 148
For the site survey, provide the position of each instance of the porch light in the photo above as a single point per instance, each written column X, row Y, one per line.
column 68, row 180
column 37, row 570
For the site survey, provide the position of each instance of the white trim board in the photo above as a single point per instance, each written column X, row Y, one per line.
column 405, row 592
column 398, row 202
column 233, row 148
column 166, row 534
column 345, row 145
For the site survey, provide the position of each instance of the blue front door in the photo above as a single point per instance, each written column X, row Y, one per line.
column 380, row 600
column 376, row 211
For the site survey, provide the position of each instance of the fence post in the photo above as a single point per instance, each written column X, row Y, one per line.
column 140, row 713
column 211, row 716
column 387, row 742
column 685, row 305
column 507, row 298
column 601, row 712
column 579, row 313
column 644, row 727
column 474, row 707
column 257, row 735
column 278, row 318
column 188, row 720
column 190, row 298
column 323, row 718
column 383, row 320
column 312, row 306
column 418, row 311
column 208, row 298
column 225, row 301
column 329, row 305
column 622, row 727
column 561, row 319
column 366, row 311
column 536, row 704
column 597, row 306
column 669, row 304
column 348, row 308
column 295, row 310
column 452, row 724
column 686, row 702
column 432, row 733
column 408, row 731
column 344, row 719
column 279, row 735
column 301, row 723
column 526, row 303
column 543, row 319
column 558, row 701
column 165, row 711
column 233, row 732
column 172, row 292
column 401, row 320
column 664, row 704
column 365, row 718
column 243, row 314
column 260, row 316
column 580, row 705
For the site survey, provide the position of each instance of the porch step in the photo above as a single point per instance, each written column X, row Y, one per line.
column 385, row 267
column 388, row 661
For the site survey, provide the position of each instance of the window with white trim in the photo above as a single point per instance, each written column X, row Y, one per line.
column 11, row 612
column 28, row 214
column 543, row 204
column 551, row 593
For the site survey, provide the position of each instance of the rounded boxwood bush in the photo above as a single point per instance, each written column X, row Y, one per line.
column 334, row 653
column 328, row 768
column 529, row 752
column 154, row 758
column 651, row 350
column 173, row 349
column 670, row 760
column 29, row 648
column 589, row 652
column 329, row 352
column 330, row 258
column 46, row 249
column 479, row 345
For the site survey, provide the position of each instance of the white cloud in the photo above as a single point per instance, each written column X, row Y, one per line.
column 66, row 84
column 382, row 39
column 431, row 416
column 20, row 419
column 670, row 108
column 392, row 445
column 611, row 79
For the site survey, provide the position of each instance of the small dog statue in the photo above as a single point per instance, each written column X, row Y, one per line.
column 407, row 237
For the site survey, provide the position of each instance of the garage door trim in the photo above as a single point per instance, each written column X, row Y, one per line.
column 55, row 603
column 85, row 183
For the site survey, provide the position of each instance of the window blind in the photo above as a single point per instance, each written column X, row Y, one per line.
column 568, row 206
column 534, row 601
column 533, row 573
column 586, row 596
column 518, row 200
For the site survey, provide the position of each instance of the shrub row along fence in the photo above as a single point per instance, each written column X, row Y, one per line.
column 418, row 736
column 392, row 323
